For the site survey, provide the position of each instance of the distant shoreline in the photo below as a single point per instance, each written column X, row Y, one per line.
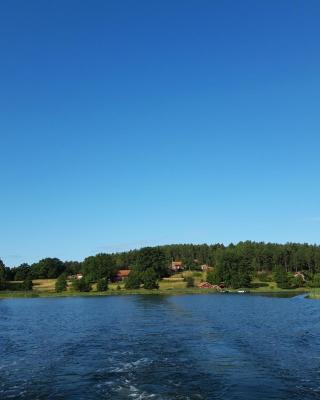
column 155, row 292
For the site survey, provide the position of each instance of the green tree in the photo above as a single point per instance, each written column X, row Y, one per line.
column 61, row 283
column 215, row 277
column 152, row 258
column 134, row 280
column 47, row 268
column 20, row 273
column 233, row 268
column 72, row 267
column 27, row 284
column 2, row 270
column 189, row 281
column 81, row 285
column 281, row 277
column 2, row 275
column 102, row 285
column 296, row 281
column 149, row 279
column 98, row 267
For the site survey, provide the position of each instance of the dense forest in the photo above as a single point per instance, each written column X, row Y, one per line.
column 233, row 263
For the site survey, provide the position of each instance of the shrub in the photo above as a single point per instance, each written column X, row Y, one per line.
column 81, row 285
column 27, row 283
column 296, row 281
column 3, row 285
column 214, row 277
column 189, row 281
column 263, row 276
column 149, row 279
column 282, row 278
column 61, row 283
column 102, row 285
column 134, row 280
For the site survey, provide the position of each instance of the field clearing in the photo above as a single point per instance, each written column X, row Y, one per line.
column 44, row 285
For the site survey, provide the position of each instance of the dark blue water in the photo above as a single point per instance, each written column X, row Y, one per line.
column 156, row 347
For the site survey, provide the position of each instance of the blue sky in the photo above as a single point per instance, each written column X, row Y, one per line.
column 132, row 123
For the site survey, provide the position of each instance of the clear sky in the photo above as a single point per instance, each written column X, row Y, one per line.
column 133, row 123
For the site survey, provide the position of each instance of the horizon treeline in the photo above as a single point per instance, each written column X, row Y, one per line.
column 259, row 256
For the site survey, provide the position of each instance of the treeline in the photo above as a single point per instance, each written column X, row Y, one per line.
column 292, row 257
column 235, row 262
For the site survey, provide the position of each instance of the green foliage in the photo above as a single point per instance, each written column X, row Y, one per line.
column 286, row 280
column 20, row 273
column 134, row 280
column 98, row 267
column 149, row 279
column 61, row 283
column 27, row 283
column 215, row 277
column 2, row 276
column 81, row 285
column 249, row 257
column 296, row 281
column 233, row 268
column 2, row 270
column 189, row 281
column 152, row 258
column 316, row 280
column 281, row 277
column 72, row 267
column 47, row 268
column 263, row 277
column 2, row 284
column 102, row 285
column 192, row 265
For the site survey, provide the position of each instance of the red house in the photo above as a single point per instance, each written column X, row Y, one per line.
column 121, row 275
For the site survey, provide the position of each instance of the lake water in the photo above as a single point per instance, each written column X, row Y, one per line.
column 160, row 347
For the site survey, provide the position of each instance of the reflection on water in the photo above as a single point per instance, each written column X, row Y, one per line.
column 160, row 347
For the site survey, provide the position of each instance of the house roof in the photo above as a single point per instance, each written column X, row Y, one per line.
column 176, row 263
column 123, row 273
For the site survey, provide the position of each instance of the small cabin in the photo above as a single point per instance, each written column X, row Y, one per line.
column 76, row 276
column 205, row 267
column 177, row 266
column 121, row 275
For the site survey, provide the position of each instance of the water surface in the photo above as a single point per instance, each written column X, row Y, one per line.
column 160, row 347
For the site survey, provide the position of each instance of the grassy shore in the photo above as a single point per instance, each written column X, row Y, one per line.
column 314, row 294
column 174, row 285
